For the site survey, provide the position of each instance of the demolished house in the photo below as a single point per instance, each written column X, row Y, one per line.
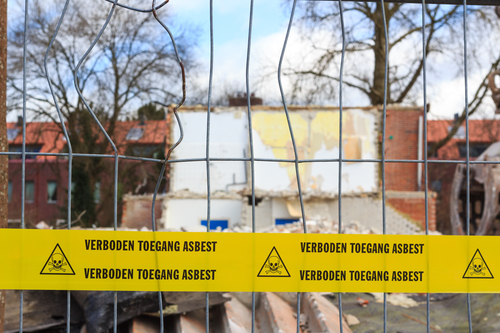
column 316, row 132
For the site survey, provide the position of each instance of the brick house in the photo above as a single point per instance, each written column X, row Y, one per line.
column 316, row 131
column 46, row 176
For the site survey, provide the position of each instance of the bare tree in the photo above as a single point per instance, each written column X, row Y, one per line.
column 474, row 105
column 365, row 42
column 133, row 63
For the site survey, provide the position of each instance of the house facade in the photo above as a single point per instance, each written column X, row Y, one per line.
column 316, row 132
column 46, row 186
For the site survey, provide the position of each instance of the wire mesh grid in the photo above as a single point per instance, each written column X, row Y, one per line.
column 252, row 159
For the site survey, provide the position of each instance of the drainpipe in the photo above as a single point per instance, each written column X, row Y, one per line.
column 420, row 149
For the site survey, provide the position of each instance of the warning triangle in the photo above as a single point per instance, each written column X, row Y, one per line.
column 477, row 269
column 273, row 266
column 57, row 264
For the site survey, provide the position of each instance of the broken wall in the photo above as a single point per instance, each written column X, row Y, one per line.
column 316, row 132
column 137, row 211
column 366, row 211
column 316, row 135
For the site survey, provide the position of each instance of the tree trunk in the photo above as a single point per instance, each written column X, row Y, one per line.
column 377, row 91
column 4, row 144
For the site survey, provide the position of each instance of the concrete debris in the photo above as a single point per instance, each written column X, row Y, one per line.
column 313, row 227
column 239, row 315
column 275, row 315
column 186, row 194
column 351, row 320
column 143, row 324
column 401, row 300
column 322, row 315
column 42, row 225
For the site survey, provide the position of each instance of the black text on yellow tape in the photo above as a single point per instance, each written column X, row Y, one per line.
column 152, row 261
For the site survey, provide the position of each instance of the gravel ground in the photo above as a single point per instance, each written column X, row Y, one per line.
column 448, row 313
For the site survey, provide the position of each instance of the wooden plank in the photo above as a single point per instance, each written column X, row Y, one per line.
column 42, row 309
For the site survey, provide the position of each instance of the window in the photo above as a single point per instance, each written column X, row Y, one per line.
column 9, row 197
column 29, row 191
column 429, row 146
column 51, row 192
column 476, row 149
column 12, row 133
column 214, row 224
column 134, row 134
column 145, row 150
column 97, row 192
column 460, row 132
column 19, row 149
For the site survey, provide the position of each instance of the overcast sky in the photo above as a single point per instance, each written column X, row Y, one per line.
column 445, row 87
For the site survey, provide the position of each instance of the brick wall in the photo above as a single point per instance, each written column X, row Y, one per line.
column 137, row 211
column 402, row 143
column 412, row 205
column 40, row 173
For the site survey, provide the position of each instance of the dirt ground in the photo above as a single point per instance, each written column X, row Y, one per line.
column 448, row 313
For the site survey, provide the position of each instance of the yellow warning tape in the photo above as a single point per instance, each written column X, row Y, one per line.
column 168, row 261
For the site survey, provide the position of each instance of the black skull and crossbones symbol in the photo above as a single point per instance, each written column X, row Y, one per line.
column 477, row 267
column 274, row 264
column 57, row 262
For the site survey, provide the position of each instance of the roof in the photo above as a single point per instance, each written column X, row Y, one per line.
column 48, row 136
column 479, row 130
column 483, row 131
column 292, row 108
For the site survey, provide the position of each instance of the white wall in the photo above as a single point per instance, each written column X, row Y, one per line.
column 189, row 213
column 317, row 137
column 228, row 138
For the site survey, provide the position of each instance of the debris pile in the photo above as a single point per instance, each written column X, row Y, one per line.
column 313, row 227
column 93, row 312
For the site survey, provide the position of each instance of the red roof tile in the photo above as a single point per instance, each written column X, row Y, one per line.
column 50, row 137
column 480, row 131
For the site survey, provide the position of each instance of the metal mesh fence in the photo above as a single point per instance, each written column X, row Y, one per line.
column 252, row 159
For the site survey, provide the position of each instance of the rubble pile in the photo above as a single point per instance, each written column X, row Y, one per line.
column 320, row 227
column 93, row 312
column 313, row 227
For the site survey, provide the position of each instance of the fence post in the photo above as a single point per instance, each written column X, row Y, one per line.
column 4, row 159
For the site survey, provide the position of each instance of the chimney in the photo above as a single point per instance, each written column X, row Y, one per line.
column 19, row 121
column 142, row 119
column 241, row 100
